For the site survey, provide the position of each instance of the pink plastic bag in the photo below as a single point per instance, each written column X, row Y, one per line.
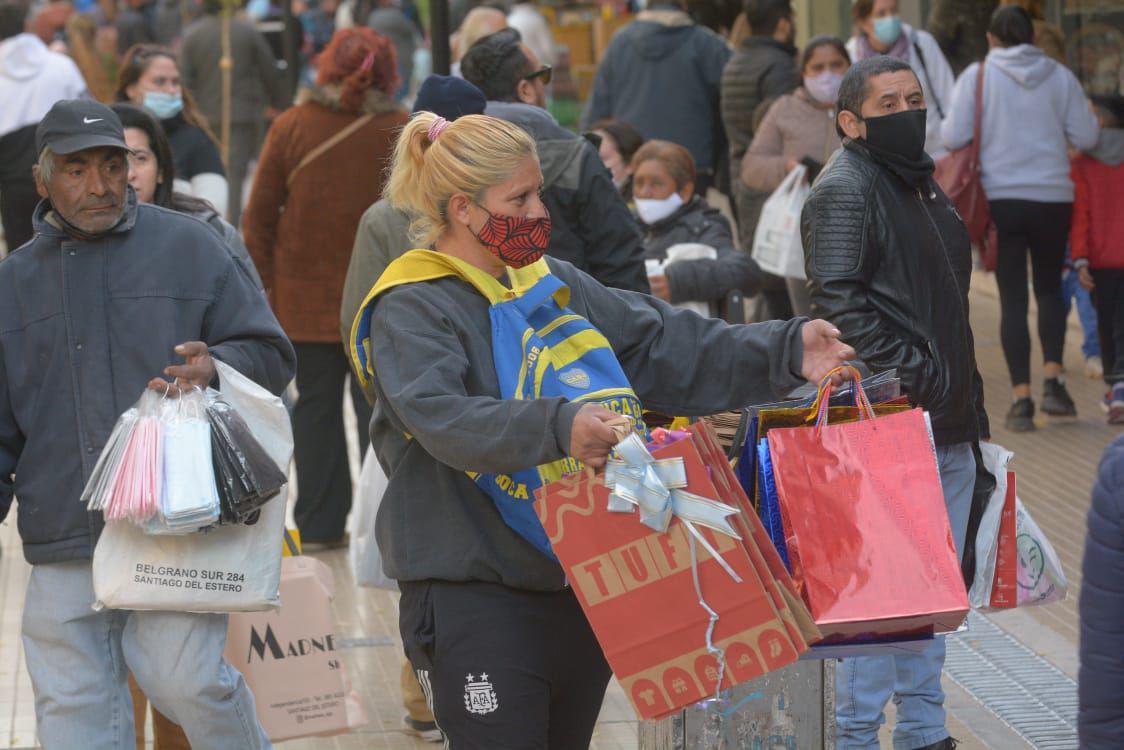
column 134, row 490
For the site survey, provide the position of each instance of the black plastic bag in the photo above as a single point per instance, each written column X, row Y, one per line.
column 245, row 475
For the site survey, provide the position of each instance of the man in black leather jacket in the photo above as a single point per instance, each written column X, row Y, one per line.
column 890, row 263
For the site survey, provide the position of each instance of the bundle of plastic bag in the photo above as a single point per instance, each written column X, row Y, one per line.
column 96, row 492
column 245, row 559
column 126, row 482
column 189, row 500
column 178, row 465
column 244, row 473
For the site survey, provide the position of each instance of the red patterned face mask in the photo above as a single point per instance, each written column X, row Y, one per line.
column 516, row 240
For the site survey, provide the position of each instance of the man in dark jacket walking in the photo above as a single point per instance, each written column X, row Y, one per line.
column 890, row 262
column 661, row 74
column 591, row 225
column 257, row 86
column 91, row 312
column 762, row 68
column 1100, row 683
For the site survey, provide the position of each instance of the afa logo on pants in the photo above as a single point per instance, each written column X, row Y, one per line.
column 479, row 696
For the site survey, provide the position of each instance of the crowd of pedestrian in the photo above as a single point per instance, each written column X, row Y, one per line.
column 272, row 215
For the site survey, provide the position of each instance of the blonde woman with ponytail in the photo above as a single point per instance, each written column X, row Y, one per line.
column 497, row 370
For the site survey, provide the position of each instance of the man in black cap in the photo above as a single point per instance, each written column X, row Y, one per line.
column 91, row 312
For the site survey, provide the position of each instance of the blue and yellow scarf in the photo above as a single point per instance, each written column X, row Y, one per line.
column 540, row 349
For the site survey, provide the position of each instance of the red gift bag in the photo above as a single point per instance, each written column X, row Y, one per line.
column 866, row 525
column 637, row 587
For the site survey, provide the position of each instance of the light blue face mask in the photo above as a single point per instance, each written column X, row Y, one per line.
column 162, row 104
column 888, row 29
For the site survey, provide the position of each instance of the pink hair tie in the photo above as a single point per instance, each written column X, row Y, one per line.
column 368, row 63
column 437, row 128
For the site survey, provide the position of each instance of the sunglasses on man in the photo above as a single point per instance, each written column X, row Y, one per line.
column 546, row 72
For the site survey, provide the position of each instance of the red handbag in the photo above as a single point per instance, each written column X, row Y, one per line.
column 958, row 174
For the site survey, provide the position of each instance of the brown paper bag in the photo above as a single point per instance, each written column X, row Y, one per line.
column 289, row 658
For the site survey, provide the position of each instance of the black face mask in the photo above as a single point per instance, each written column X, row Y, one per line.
column 901, row 134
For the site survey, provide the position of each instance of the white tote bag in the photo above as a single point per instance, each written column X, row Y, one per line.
column 1040, row 578
column 226, row 569
column 363, row 552
column 777, row 246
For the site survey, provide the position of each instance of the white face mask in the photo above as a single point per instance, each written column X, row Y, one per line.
column 652, row 210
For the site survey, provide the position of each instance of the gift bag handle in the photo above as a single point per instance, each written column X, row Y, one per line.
column 823, row 399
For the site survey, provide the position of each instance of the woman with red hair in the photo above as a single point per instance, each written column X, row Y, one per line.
column 323, row 163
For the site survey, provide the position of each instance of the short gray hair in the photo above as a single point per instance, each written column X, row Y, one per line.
column 46, row 164
column 855, row 86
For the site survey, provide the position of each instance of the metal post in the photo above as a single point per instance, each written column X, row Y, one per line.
column 791, row 708
column 439, row 36
column 289, row 47
column 226, row 69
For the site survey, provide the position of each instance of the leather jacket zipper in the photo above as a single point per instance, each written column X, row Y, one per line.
column 964, row 325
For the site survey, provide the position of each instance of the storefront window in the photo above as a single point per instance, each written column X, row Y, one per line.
column 1094, row 42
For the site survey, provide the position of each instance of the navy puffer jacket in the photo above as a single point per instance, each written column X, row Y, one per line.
column 1100, row 722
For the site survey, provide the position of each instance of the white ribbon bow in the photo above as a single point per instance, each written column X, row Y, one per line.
column 656, row 487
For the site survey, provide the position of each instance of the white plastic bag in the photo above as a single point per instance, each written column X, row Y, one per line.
column 363, row 552
column 777, row 246
column 676, row 253
column 1040, row 578
column 188, row 501
column 225, row 569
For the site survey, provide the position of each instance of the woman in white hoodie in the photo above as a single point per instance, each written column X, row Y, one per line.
column 32, row 78
column 879, row 31
column 1034, row 111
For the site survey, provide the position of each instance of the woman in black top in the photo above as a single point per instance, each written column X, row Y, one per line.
column 152, row 174
column 150, row 77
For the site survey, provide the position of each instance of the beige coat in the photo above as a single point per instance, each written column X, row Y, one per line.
column 794, row 128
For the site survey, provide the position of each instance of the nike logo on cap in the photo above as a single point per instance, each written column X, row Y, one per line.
column 87, row 120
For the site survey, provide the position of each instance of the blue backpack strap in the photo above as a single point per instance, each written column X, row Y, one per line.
column 538, row 295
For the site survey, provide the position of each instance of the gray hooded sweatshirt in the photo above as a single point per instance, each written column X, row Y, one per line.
column 1034, row 110
column 431, row 345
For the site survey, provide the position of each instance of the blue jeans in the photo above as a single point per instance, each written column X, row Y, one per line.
column 1072, row 291
column 78, row 661
column 863, row 685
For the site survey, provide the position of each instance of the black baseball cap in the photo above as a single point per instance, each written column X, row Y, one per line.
column 77, row 124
